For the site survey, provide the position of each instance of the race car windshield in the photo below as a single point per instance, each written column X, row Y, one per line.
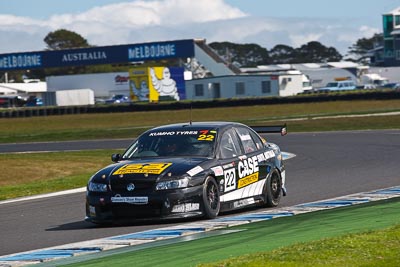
column 173, row 144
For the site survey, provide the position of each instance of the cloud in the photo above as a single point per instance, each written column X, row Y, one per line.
column 138, row 14
column 158, row 20
column 14, row 21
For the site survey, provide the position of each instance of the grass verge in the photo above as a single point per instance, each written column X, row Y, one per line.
column 131, row 124
column 37, row 173
column 362, row 235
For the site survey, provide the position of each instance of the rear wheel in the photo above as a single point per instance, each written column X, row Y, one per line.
column 273, row 190
column 211, row 202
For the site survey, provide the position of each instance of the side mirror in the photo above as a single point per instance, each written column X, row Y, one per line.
column 284, row 130
column 115, row 157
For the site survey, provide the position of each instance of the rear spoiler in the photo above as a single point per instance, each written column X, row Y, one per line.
column 271, row 129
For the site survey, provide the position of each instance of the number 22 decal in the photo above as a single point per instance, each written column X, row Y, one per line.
column 205, row 137
column 230, row 180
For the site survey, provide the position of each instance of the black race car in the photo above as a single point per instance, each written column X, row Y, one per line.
column 188, row 169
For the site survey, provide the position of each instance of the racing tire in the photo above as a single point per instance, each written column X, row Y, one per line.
column 211, row 203
column 273, row 190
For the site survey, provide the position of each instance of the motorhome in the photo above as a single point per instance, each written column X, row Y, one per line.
column 373, row 80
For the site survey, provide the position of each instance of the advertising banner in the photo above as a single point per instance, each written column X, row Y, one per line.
column 97, row 55
column 139, row 84
column 167, row 84
column 156, row 84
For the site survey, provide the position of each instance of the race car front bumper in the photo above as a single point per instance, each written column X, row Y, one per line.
column 177, row 203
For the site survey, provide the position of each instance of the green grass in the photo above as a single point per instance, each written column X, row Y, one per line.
column 131, row 124
column 38, row 173
column 371, row 248
column 44, row 186
column 362, row 235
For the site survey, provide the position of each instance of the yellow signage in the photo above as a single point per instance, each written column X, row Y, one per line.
column 162, row 85
column 153, row 84
column 139, row 84
column 245, row 181
column 151, row 168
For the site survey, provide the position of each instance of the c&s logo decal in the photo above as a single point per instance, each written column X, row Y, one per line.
column 151, row 168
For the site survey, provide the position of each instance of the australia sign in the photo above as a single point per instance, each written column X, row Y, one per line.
column 97, row 55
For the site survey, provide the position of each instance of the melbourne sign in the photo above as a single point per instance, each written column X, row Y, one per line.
column 97, row 55
column 20, row 61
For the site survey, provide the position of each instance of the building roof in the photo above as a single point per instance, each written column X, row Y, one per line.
column 343, row 64
column 395, row 11
column 395, row 32
column 37, row 87
column 7, row 91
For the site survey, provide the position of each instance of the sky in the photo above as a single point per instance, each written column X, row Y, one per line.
column 339, row 24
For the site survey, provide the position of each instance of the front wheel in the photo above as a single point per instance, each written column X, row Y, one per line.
column 273, row 190
column 211, row 202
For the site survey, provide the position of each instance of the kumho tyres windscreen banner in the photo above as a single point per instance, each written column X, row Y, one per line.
column 97, row 55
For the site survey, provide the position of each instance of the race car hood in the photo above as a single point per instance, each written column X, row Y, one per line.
column 153, row 168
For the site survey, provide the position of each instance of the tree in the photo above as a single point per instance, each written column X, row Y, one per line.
column 64, row 39
column 244, row 55
column 282, row 54
column 359, row 50
column 315, row 52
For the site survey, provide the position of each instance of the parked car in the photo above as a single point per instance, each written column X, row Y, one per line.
column 118, row 99
column 34, row 101
column 394, row 86
column 338, row 86
column 7, row 101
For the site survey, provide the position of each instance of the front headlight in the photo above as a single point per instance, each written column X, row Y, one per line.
column 172, row 184
column 96, row 187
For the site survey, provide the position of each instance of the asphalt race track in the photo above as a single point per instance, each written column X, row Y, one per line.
column 326, row 165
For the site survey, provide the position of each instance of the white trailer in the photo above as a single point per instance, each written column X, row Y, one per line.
column 75, row 97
